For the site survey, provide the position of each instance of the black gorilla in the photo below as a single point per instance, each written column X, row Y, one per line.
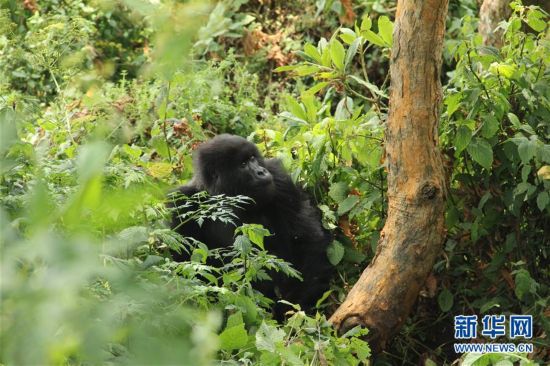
column 231, row 165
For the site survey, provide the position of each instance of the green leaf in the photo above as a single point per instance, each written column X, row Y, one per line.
column 373, row 88
column 234, row 335
column 352, row 50
column 526, row 150
column 344, row 108
column 335, row 252
column 317, row 87
column 325, row 57
column 151, row 260
column 502, row 69
column 256, row 233
column 347, row 204
column 348, row 36
column 337, row 54
column 338, row 191
column 445, row 300
column 295, row 108
column 373, row 38
column 514, row 120
column 482, row 153
column 453, row 102
column 305, row 70
column 269, row 337
column 286, row 68
column 493, row 303
column 312, row 52
column 490, row 126
column 385, row 30
column 366, row 23
column 326, row 294
column 543, row 199
column 462, row 138
column 242, row 244
column 8, row 131
column 159, row 169
column 361, row 349
column 524, row 284
column 535, row 20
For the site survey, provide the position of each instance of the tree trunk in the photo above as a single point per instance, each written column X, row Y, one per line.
column 491, row 13
column 414, row 230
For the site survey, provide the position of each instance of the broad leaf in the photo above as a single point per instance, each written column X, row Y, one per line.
column 482, row 153
column 337, row 54
column 335, row 252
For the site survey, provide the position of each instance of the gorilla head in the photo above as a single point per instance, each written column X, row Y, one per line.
column 231, row 165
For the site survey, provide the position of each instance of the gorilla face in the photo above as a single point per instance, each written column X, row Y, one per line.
column 232, row 165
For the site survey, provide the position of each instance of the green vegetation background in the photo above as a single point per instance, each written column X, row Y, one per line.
column 102, row 103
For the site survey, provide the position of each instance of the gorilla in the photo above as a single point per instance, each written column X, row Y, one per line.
column 232, row 166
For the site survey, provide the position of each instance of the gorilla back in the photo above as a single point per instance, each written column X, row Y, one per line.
column 231, row 165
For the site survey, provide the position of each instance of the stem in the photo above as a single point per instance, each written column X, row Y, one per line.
column 164, row 122
column 476, row 76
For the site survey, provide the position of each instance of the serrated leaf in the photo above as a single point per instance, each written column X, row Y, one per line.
column 256, row 233
column 462, row 138
column 490, row 127
column 385, row 30
column 453, row 102
column 535, row 20
column 151, row 260
column 133, row 235
column 242, row 244
column 338, row 191
column 527, row 150
column 159, row 170
column 337, row 54
column 524, row 284
column 234, row 336
column 335, row 252
column 502, row 69
column 269, row 337
column 481, row 152
column 347, row 204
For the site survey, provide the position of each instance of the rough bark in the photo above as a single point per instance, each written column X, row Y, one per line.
column 491, row 13
column 414, row 230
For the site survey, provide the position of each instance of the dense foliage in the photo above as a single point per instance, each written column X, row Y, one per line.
column 102, row 103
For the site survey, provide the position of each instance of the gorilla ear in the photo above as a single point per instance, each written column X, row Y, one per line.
column 205, row 169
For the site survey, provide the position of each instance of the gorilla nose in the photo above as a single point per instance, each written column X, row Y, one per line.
column 263, row 176
column 262, row 172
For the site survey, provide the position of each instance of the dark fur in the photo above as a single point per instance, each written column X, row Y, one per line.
column 280, row 206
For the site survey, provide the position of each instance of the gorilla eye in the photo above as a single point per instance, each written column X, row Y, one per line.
column 252, row 158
